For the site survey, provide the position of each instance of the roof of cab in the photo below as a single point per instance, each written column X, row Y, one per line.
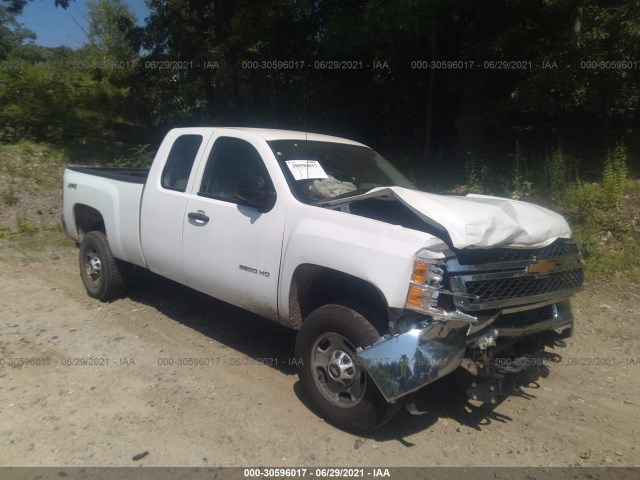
column 274, row 134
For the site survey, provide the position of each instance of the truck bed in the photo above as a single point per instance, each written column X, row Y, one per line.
column 131, row 175
column 116, row 193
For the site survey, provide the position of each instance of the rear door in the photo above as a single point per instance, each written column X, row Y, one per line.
column 164, row 202
column 230, row 250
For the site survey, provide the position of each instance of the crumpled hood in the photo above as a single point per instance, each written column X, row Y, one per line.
column 478, row 220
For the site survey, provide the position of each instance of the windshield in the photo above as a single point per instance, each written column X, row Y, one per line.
column 318, row 171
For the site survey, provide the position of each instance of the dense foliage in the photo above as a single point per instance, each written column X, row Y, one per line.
column 438, row 86
column 525, row 99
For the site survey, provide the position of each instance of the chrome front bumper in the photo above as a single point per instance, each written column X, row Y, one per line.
column 404, row 363
column 407, row 362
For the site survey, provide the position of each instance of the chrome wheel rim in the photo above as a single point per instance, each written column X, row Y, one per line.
column 92, row 267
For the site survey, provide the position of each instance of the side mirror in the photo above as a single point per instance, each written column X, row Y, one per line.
column 251, row 189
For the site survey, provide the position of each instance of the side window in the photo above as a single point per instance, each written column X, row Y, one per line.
column 231, row 159
column 181, row 157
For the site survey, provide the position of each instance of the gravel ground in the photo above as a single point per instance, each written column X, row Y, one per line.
column 109, row 390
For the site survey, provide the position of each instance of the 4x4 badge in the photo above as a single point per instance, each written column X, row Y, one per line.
column 542, row 267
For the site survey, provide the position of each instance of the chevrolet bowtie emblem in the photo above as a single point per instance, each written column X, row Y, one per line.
column 542, row 267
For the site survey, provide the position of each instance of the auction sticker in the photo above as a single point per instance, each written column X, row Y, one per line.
column 306, row 169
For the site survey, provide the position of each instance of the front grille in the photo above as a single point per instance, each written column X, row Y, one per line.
column 504, row 289
column 499, row 278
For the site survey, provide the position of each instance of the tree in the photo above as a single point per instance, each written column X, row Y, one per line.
column 16, row 7
column 110, row 24
column 12, row 33
column 206, row 46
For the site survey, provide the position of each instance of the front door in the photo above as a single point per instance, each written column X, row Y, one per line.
column 231, row 251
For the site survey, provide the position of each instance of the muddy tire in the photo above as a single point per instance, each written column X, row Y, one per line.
column 331, row 378
column 102, row 274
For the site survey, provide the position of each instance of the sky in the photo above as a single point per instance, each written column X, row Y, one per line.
column 55, row 26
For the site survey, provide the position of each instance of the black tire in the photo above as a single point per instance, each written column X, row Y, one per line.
column 336, row 329
column 102, row 274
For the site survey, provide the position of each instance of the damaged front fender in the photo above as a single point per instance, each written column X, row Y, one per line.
column 407, row 362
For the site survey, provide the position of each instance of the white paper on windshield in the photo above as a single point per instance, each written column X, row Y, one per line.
column 306, row 169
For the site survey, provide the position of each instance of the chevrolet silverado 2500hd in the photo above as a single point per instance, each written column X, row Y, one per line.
column 388, row 287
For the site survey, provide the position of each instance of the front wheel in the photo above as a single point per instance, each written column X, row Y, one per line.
column 331, row 376
column 101, row 273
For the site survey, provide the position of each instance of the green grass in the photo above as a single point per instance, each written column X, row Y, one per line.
column 29, row 168
column 607, row 230
column 24, row 226
column 9, row 197
column 45, row 244
column 5, row 232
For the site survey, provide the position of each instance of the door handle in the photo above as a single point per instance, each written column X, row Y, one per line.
column 199, row 217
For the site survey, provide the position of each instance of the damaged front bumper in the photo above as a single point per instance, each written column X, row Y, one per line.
column 404, row 363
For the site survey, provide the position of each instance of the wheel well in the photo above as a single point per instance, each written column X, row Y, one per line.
column 87, row 219
column 313, row 286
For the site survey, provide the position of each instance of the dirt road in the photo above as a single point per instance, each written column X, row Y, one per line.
column 109, row 387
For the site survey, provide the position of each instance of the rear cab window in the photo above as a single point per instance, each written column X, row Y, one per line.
column 175, row 174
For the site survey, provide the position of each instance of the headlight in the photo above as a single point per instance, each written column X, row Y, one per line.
column 426, row 286
column 426, row 282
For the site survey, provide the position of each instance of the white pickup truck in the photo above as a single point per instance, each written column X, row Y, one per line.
column 389, row 288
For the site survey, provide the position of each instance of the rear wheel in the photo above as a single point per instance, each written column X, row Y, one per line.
column 331, row 376
column 102, row 274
